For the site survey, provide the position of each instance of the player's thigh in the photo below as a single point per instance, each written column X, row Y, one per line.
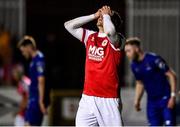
column 169, row 117
column 109, row 113
column 34, row 115
column 154, row 115
column 85, row 116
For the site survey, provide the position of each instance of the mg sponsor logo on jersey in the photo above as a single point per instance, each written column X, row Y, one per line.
column 95, row 53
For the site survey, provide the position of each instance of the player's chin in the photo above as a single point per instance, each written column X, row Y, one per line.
column 99, row 25
column 27, row 57
column 134, row 58
column 130, row 57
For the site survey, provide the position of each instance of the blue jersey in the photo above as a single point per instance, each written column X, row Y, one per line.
column 37, row 68
column 151, row 71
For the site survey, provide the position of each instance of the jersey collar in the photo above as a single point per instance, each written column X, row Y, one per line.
column 102, row 34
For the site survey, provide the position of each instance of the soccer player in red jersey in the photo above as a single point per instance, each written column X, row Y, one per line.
column 100, row 102
column 22, row 83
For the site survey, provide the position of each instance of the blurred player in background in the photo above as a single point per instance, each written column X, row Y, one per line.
column 100, row 102
column 153, row 74
column 36, row 106
column 23, row 83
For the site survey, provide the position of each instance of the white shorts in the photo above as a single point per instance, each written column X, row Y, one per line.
column 98, row 111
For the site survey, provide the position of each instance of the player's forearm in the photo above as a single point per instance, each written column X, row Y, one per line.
column 110, row 30
column 173, row 85
column 41, row 86
column 108, row 26
column 172, row 82
column 78, row 22
column 74, row 26
column 41, row 92
column 139, row 92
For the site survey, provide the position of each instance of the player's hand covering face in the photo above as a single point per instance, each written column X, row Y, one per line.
column 106, row 10
column 99, row 14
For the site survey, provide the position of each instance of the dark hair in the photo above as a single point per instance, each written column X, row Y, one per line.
column 27, row 40
column 133, row 41
column 117, row 20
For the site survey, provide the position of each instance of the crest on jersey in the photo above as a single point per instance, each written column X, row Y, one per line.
column 40, row 69
column 92, row 39
column 162, row 65
column 104, row 43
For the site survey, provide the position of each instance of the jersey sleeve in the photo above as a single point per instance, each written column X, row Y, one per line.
column 40, row 67
column 85, row 35
column 161, row 64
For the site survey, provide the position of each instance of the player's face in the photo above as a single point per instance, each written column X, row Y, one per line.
column 100, row 21
column 131, row 52
column 25, row 51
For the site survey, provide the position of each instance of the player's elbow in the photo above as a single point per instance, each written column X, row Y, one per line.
column 66, row 25
column 174, row 76
column 171, row 74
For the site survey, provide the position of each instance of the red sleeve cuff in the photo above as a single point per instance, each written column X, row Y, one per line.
column 84, row 34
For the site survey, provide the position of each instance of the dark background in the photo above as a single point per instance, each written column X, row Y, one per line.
column 65, row 55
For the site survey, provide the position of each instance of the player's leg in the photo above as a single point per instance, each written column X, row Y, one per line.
column 85, row 115
column 34, row 115
column 154, row 114
column 168, row 114
column 27, row 117
column 169, row 117
column 108, row 112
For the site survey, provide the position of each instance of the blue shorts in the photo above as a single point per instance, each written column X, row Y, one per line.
column 159, row 114
column 33, row 115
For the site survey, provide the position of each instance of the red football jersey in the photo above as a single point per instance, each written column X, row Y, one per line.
column 101, row 68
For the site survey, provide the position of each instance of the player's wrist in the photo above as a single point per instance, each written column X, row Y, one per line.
column 137, row 101
column 94, row 16
column 106, row 15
